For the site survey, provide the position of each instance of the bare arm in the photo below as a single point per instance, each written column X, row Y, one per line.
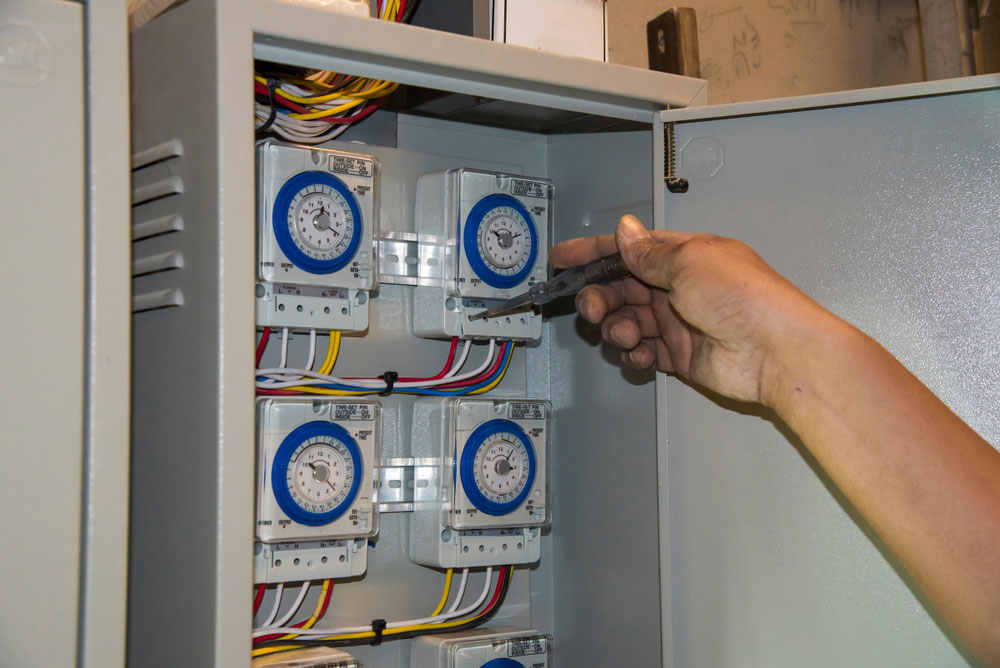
column 711, row 310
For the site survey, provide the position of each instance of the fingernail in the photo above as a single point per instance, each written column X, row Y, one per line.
column 618, row 334
column 639, row 356
column 632, row 229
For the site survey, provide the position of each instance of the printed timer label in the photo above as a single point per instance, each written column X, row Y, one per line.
column 520, row 188
column 526, row 647
column 365, row 412
column 345, row 164
column 517, row 411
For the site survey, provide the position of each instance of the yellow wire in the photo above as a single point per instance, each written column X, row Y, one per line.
column 370, row 634
column 309, row 389
column 332, row 351
column 444, row 594
column 356, row 89
column 315, row 614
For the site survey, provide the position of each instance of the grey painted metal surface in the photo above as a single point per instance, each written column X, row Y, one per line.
column 605, row 558
column 889, row 215
column 297, row 35
column 43, row 190
column 104, row 567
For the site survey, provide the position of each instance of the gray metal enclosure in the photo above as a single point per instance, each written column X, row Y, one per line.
column 888, row 214
column 683, row 533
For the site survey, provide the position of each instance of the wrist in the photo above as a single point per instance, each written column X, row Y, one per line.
column 803, row 357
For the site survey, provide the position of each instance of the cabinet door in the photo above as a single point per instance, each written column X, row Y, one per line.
column 887, row 213
column 42, row 270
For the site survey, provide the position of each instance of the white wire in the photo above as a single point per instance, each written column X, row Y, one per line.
column 295, row 606
column 284, row 347
column 278, row 378
column 461, row 360
column 303, row 131
column 312, row 349
column 391, row 625
column 460, row 594
column 276, row 605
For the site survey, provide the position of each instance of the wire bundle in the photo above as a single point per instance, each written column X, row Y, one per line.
column 282, row 380
column 321, row 105
column 268, row 639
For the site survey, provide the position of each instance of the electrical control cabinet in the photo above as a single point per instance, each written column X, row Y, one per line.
column 484, row 648
column 317, row 225
column 496, row 229
column 483, row 496
column 665, row 538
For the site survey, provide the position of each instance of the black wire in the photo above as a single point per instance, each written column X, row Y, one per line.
column 411, row 7
column 298, row 643
column 272, row 84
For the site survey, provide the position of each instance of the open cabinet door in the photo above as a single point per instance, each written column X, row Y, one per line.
column 884, row 206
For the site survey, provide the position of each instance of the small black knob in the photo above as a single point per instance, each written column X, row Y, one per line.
column 677, row 185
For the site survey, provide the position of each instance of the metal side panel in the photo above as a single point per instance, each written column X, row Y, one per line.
column 193, row 421
column 604, row 564
column 888, row 214
column 104, row 570
column 42, row 264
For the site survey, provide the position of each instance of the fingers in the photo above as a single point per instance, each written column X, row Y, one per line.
column 648, row 256
column 649, row 353
column 626, row 326
column 596, row 301
column 575, row 252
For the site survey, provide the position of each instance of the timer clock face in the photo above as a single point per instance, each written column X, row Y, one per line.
column 317, row 222
column 500, row 241
column 316, row 473
column 498, row 467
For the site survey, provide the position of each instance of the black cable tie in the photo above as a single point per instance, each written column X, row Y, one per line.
column 378, row 625
column 390, row 378
column 272, row 84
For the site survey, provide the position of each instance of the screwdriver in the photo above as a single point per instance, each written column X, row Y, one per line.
column 568, row 282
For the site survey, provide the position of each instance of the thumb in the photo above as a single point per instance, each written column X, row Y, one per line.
column 649, row 260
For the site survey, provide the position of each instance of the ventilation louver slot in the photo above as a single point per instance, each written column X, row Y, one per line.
column 156, row 184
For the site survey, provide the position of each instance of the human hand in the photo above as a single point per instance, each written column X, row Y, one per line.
column 704, row 307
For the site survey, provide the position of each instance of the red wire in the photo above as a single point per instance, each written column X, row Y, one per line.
column 399, row 12
column 496, row 592
column 447, row 365
column 335, row 120
column 440, row 374
column 478, row 379
column 262, row 346
column 299, row 625
column 258, row 598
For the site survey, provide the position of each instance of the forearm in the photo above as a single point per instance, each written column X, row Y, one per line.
column 927, row 484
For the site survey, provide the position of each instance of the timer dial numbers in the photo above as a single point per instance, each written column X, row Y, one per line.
column 320, row 474
column 498, row 467
column 501, row 467
column 500, row 241
column 316, row 473
column 317, row 222
column 505, row 240
column 320, row 222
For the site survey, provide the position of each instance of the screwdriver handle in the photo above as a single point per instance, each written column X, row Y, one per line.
column 606, row 269
column 602, row 270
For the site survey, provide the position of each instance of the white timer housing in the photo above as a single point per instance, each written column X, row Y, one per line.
column 505, row 647
column 481, row 489
column 496, row 230
column 317, row 225
column 311, row 657
column 317, row 465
